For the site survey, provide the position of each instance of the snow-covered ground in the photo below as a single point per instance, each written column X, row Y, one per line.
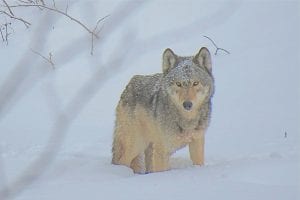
column 252, row 144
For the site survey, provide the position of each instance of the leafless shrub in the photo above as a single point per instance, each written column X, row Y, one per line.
column 8, row 10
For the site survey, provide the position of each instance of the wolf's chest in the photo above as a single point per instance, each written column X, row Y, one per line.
column 180, row 140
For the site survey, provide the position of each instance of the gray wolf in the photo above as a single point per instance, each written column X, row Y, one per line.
column 161, row 113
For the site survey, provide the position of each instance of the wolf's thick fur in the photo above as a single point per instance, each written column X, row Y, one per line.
column 161, row 113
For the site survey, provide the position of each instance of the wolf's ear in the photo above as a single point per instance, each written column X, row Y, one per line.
column 203, row 58
column 169, row 60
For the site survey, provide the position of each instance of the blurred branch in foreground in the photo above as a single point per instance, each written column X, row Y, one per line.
column 70, row 112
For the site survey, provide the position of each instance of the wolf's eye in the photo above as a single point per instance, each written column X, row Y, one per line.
column 178, row 84
column 196, row 83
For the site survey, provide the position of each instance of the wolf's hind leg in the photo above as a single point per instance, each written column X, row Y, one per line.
column 129, row 152
column 117, row 151
column 138, row 164
column 148, row 158
column 124, row 156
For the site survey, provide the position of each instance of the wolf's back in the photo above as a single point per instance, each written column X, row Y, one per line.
column 141, row 90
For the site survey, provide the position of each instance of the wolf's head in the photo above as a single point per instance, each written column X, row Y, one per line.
column 188, row 81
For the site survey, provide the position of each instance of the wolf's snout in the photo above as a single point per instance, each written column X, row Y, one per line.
column 187, row 105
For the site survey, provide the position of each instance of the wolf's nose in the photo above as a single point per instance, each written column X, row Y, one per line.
column 187, row 105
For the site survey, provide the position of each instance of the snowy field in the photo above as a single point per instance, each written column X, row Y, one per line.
column 252, row 144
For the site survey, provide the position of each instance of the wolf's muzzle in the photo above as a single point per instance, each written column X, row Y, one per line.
column 187, row 105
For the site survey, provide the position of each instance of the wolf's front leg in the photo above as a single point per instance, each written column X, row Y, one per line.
column 156, row 159
column 196, row 148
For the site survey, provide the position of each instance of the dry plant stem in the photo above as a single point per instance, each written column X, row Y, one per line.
column 4, row 32
column 26, row 23
column 49, row 60
column 8, row 8
column 67, row 7
column 97, row 32
column 2, row 36
column 54, row 9
column 217, row 48
column 94, row 33
column 60, row 12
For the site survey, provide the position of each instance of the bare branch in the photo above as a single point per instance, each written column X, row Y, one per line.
column 10, row 11
column 26, row 23
column 217, row 48
column 49, row 60
column 92, row 46
column 54, row 5
column 97, row 32
column 41, row 5
column 100, row 20
column 4, row 31
column 2, row 34
column 60, row 12
column 67, row 7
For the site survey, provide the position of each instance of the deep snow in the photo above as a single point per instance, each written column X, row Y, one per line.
column 252, row 144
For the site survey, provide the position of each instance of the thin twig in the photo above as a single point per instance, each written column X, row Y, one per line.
column 97, row 32
column 100, row 20
column 54, row 5
column 49, row 60
column 92, row 46
column 60, row 12
column 26, row 23
column 2, row 34
column 6, row 4
column 217, row 48
column 67, row 7
column 94, row 33
column 6, row 33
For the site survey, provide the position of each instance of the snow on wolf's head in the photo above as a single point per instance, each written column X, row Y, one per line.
column 188, row 81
